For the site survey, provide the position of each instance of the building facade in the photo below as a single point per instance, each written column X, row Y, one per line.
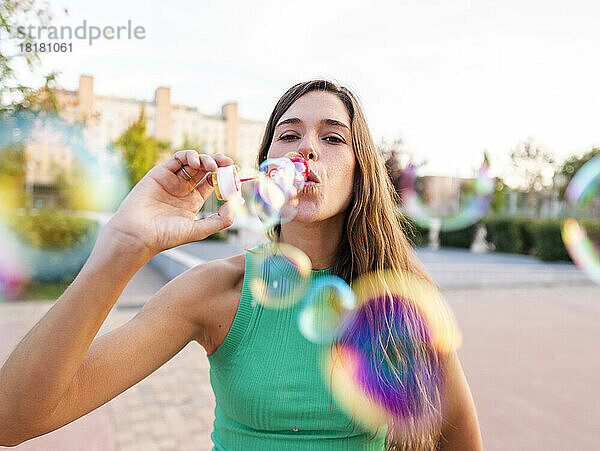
column 109, row 116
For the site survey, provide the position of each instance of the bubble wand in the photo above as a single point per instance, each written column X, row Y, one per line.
column 227, row 182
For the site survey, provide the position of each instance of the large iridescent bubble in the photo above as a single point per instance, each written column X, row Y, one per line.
column 56, row 183
column 325, row 309
column 467, row 214
column 583, row 196
column 279, row 275
column 274, row 194
column 265, row 199
column 385, row 365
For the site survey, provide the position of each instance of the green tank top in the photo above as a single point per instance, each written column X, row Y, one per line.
column 269, row 390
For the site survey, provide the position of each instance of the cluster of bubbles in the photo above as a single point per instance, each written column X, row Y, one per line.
column 469, row 212
column 273, row 193
column 281, row 276
column 381, row 338
column 44, row 244
column 583, row 195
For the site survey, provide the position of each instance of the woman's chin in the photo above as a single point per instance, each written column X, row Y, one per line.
column 307, row 212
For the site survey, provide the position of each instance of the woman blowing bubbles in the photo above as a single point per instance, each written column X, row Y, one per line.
column 269, row 391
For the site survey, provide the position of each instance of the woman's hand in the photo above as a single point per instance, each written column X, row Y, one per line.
column 159, row 213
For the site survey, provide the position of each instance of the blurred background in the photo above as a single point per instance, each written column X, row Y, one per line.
column 484, row 114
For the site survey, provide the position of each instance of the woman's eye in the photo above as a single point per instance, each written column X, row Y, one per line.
column 285, row 137
column 337, row 140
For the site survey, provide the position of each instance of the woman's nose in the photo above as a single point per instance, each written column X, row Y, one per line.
column 307, row 150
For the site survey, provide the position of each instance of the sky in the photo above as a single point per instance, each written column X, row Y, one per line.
column 450, row 78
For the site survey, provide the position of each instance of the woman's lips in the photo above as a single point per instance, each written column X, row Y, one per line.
column 312, row 178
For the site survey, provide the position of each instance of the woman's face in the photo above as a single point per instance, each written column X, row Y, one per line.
column 317, row 126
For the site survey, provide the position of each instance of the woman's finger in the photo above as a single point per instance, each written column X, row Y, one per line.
column 222, row 160
column 196, row 172
column 192, row 158
column 217, row 221
column 180, row 158
column 208, row 163
column 190, row 167
column 204, row 186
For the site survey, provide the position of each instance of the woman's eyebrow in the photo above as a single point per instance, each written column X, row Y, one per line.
column 335, row 123
column 295, row 120
column 291, row 120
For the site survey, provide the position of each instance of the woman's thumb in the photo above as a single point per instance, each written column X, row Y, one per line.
column 217, row 221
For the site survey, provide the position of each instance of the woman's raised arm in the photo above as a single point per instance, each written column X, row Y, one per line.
column 159, row 213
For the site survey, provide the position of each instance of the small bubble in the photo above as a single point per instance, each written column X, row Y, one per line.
column 279, row 275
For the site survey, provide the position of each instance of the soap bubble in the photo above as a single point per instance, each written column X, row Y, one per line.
column 467, row 214
column 274, row 197
column 281, row 170
column 300, row 168
column 265, row 199
column 95, row 176
column 56, row 183
column 324, row 309
column 583, row 196
column 441, row 325
column 278, row 274
column 385, row 363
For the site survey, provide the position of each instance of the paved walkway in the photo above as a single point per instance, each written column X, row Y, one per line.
column 531, row 358
column 95, row 429
column 530, row 354
column 172, row 409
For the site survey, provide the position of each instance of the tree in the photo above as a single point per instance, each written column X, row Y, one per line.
column 14, row 95
column 12, row 176
column 570, row 167
column 533, row 166
column 498, row 202
column 12, row 161
column 499, row 197
column 397, row 159
column 139, row 150
column 191, row 143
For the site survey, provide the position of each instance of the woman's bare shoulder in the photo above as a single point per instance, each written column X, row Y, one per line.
column 209, row 295
column 222, row 274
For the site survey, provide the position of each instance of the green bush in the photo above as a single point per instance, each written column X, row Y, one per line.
column 459, row 238
column 548, row 243
column 54, row 245
column 592, row 228
column 527, row 236
column 52, row 229
column 505, row 234
column 539, row 237
column 45, row 291
column 419, row 236
column 547, row 240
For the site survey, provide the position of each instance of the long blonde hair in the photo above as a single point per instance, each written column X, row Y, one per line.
column 375, row 233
